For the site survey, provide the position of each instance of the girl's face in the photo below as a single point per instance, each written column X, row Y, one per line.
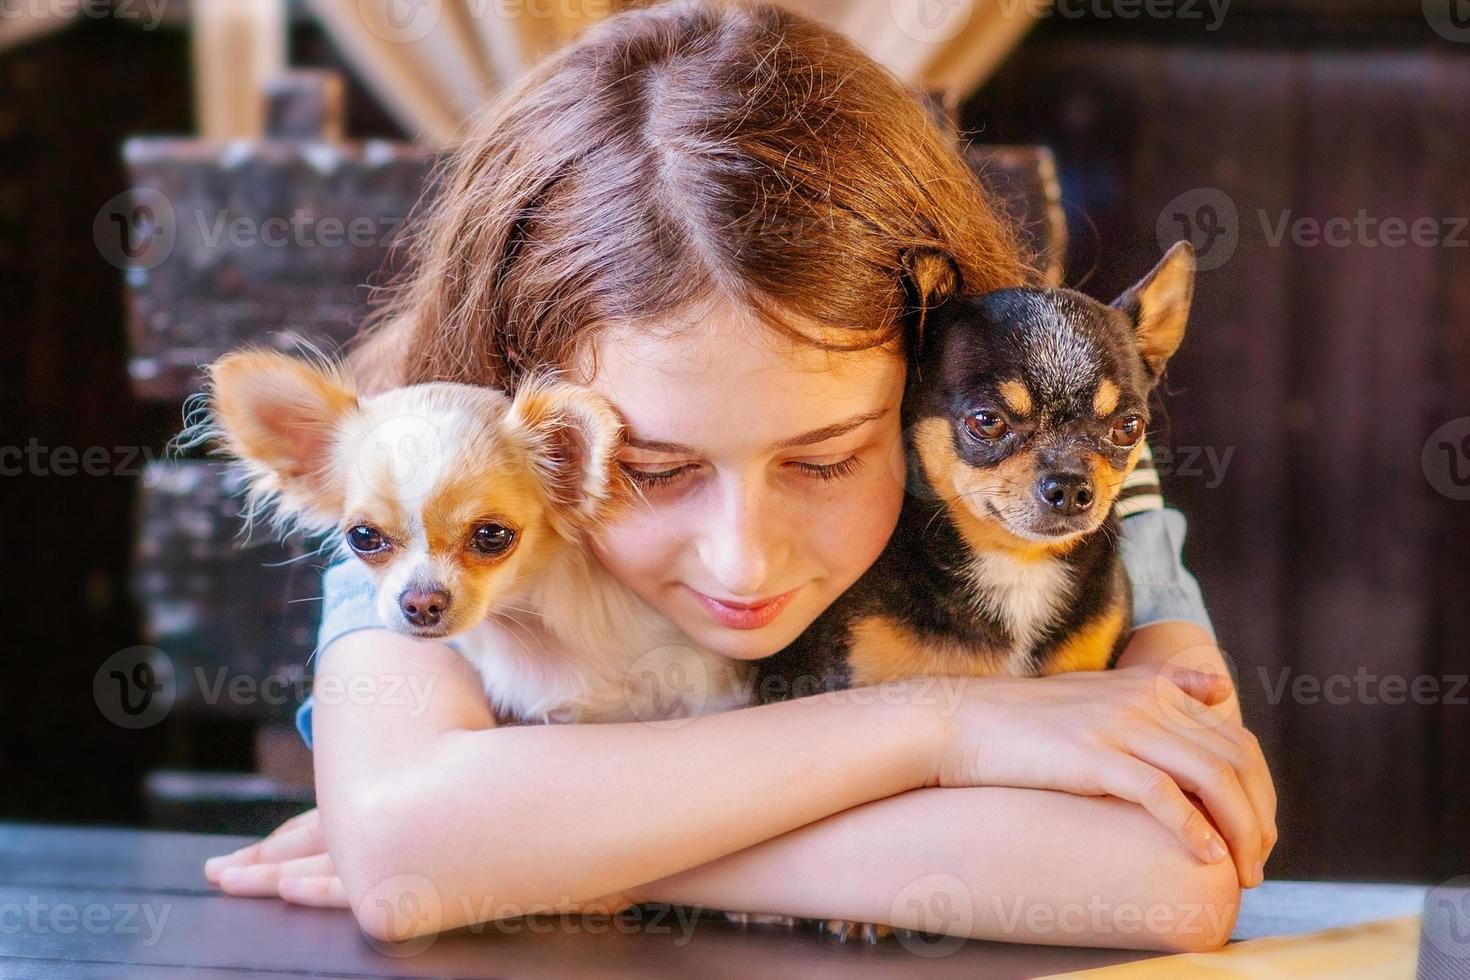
column 772, row 471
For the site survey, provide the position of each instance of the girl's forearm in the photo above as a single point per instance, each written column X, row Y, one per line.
column 994, row 863
column 430, row 810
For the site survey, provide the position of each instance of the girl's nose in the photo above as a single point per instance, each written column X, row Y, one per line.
column 743, row 542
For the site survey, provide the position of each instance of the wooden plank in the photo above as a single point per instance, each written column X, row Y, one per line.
column 238, row 45
column 265, row 242
column 236, row 619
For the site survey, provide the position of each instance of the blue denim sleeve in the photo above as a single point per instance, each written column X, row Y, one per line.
column 1163, row 589
column 348, row 596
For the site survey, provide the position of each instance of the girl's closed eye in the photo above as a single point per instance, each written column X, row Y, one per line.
column 649, row 475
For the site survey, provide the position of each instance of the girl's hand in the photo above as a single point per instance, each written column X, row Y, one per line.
column 291, row 863
column 1143, row 734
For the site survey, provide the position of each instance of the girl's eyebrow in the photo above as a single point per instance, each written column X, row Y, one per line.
column 805, row 439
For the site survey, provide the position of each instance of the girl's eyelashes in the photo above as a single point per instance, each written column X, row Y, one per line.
column 655, row 478
column 821, row 471
column 833, row 471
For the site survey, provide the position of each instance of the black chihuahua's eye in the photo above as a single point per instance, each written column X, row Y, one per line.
column 1127, row 430
column 492, row 539
column 366, row 540
column 986, row 424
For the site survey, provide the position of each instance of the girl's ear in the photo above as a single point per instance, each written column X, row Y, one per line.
column 573, row 436
column 1159, row 305
column 279, row 416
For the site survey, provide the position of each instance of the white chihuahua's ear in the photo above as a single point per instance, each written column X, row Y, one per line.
column 1159, row 306
column 573, row 436
column 279, row 416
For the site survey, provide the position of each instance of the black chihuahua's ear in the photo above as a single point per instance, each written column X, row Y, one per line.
column 279, row 415
column 573, row 436
column 931, row 277
column 1159, row 306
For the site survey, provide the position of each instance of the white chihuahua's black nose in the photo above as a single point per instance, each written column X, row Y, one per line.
column 423, row 607
column 1068, row 494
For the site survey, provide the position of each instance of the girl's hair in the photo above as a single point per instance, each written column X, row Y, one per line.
column 685, row 152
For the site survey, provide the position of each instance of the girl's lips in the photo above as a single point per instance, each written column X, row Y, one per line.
column 743, row 617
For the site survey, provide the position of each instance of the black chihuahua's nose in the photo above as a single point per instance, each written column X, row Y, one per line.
column 1066, row 493
column 421, row 607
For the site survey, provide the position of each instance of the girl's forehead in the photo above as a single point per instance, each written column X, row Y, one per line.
column 722, row 383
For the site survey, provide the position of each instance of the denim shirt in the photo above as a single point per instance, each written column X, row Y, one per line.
column 1152, row 539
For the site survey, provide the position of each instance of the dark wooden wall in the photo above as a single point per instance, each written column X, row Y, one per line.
column 1325, row 551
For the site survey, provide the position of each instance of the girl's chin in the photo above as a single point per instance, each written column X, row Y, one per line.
column 739, row 644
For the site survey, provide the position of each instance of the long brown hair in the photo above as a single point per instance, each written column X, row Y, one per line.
column 672, row 154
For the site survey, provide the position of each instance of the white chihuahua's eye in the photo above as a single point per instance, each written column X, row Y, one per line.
column 492, row 539
column 366, row 540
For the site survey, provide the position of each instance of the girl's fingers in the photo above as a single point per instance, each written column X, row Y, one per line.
column 1202, row 685
column 1155, row 790
column 1211, row 777
column 1250, row 767
column 324, row 891
column 302, row 840
column 1222, row 734
column 263, row 880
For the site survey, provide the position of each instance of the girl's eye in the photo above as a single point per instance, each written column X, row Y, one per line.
column 366, row 539
column 655, row 478
column 986, row 425
column 492, row 539
column 1127, row 431
column 832, row 471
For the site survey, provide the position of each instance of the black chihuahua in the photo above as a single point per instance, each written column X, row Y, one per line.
column 1025, row 412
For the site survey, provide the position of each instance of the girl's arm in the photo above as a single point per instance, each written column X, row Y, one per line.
column 1011, row 865
column 436, row 819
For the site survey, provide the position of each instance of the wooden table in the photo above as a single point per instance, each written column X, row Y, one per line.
column 109, row 904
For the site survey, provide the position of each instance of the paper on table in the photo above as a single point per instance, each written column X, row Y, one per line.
column 1379, row 950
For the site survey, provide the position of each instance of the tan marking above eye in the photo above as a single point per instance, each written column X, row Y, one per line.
column 1105, row 400
column 1016, row 396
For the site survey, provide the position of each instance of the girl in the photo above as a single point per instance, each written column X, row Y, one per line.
column 719, row 216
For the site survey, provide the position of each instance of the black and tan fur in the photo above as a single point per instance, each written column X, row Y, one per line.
column 1005, row 559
